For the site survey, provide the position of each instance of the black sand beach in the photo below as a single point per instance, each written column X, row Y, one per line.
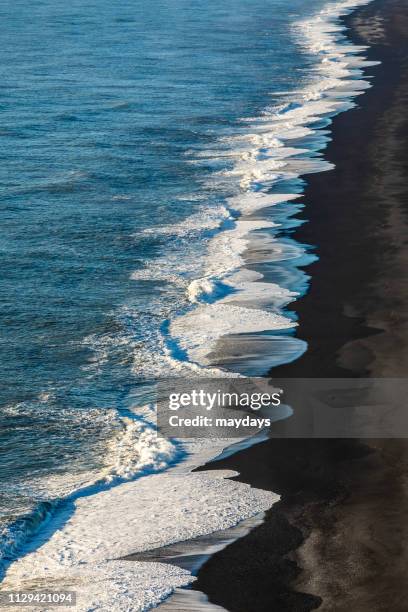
column 338, row 538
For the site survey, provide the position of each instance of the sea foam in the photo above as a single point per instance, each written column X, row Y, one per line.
column 85, row 552
column 262, row 155
column 222, row 296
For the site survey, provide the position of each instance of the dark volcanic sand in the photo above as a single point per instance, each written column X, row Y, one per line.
column 338, row 538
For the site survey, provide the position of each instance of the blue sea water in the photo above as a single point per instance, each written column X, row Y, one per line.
column 110, row 195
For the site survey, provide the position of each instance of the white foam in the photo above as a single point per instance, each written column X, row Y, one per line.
column 227, row 248
column 259, row 154
column 260, row 158
column 85, row 554
column 251, row 290
column 199, row 330
column 253, row 201
column 202, row 289
column 206, row 218
column 122, row 446
column 137, row 449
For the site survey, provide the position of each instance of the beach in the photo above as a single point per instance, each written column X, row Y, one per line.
column 337, row 540
column 201, row 194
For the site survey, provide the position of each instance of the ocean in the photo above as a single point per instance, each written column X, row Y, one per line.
column 153, row 158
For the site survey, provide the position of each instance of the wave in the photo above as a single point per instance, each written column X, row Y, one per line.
column 137, row 516
column 124, row 448
column 206, row 258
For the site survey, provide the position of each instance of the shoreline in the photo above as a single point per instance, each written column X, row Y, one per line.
column 302, row 556
column 319, row 492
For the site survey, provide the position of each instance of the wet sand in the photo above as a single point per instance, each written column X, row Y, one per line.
column 338, row 539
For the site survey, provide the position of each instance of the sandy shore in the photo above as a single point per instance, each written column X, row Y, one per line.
column 338, row 538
